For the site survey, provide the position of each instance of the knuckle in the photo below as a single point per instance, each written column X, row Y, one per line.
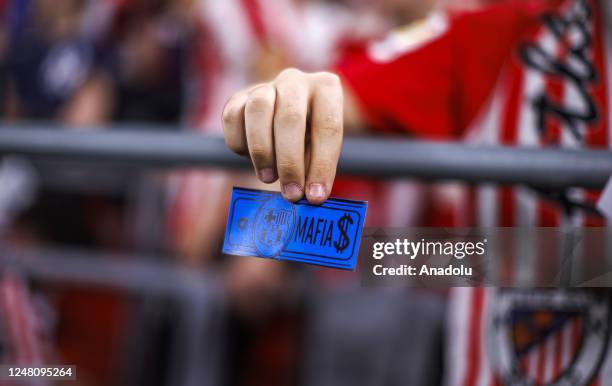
column 327, row 79
column 230, row 115
column 259, row 103
column 329, row 126
column 292, row 115
column 291, row 90
column 288, row 168
column 321, row 169
column 259, row 153
column 290, row 73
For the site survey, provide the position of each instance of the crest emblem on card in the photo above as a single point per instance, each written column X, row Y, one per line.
column 274, row 223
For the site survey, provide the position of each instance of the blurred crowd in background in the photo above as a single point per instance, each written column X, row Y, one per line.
column 171, row 65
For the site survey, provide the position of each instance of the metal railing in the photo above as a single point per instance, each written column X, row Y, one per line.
column 364, row 156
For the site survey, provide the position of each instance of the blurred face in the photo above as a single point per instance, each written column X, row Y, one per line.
column 57, row 18
column 405, row 11
column 463, row 4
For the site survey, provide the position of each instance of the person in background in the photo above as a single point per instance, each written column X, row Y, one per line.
column 53, row 69
column 148, row 43
column 517, row 73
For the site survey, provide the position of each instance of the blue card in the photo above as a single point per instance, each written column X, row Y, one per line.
column 262, row 223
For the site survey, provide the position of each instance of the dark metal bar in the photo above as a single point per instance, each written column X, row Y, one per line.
column 372, row 157
column 139, row 274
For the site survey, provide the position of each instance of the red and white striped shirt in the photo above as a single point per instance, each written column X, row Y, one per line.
column 519, row 73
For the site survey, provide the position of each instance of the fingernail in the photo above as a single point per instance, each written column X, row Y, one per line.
column 316, row 191
column 292, row 191
column 267, row 175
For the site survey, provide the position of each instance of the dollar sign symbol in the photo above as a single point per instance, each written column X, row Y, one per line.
column 343, row 241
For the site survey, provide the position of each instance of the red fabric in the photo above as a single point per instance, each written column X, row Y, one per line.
column 253, row 12
column 436, row 90
column 450, row 84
